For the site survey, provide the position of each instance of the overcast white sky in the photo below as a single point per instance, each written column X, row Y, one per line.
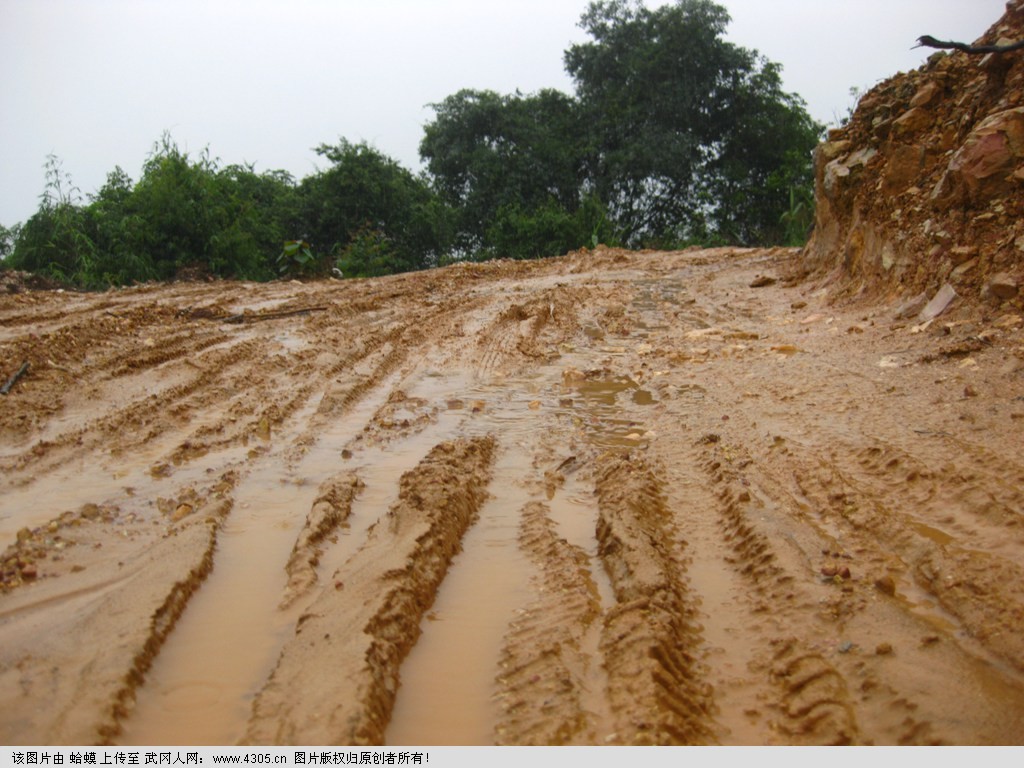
column 96, row 82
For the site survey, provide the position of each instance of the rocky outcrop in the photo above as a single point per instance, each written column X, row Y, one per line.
column 924, row 186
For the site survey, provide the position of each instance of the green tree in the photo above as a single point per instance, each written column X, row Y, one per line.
column 370, row 215
column 54, row 240
column 501, row 160
column 192, row 214
column 175, row 201
column 690, row 137
column 182, row 214
column 256, row 213
column 8, row 237
column 114, row 227
column 548, row 229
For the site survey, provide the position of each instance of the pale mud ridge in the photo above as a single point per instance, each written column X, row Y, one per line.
column 354, row 638
column 608, row 498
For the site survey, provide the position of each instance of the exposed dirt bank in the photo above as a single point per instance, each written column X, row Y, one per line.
column 607, row 498
column 924, row 187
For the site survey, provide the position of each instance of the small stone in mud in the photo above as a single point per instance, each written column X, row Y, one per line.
column 970, row 391
column 798, row 305
column 886, row 585
column 710, row 438
column 182, row 511
column 160, row 470
column 565, row 402
column 573, row 376
column 91, row 511
column 534, row 405
column 455, row 405
column 263, row 428
column 929, row 640
column 478, row 406
column 29, row 571
column 346, row 453
column 761, row 281
column 883, row 649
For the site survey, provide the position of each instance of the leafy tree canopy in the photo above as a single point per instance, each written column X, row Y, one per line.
column 690, row 136
column 371, row 213
column 489, row 153
column 673, row 135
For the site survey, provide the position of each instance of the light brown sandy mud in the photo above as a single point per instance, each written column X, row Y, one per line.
column 610, row 498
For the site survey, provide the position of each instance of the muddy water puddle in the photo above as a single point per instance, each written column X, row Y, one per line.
column 574, row 511
column 447, row 689
column 131, row 485
column 600, row 409
column 202, row 684
column 224, row 645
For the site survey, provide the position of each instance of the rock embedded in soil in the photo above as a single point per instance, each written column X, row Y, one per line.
column 1003, row 286
column 886, row 585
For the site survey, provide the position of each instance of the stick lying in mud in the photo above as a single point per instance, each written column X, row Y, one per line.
column 14, row 379
column 243, row 318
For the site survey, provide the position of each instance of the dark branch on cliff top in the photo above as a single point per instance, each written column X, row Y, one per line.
column 927, row 41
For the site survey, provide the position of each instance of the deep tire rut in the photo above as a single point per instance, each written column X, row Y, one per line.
column 677, row 504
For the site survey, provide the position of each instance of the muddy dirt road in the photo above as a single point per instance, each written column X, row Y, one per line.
column 611, row 498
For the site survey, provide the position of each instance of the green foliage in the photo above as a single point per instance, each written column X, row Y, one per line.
column 8, row 237
column 182, row 215
column 370, row 253
column 194, row 216
column 673, row 136
column 54, row 241
column 370, row 213
column 796, row 222
column 690, row 136
column 548, row 229
column 678, row 135
column 489, row 153
column 296, row 258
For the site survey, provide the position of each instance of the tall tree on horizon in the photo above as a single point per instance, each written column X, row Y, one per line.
column 690, row 136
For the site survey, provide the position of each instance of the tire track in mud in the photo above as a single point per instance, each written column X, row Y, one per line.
column 136, row 422
column 321, row 438
column 813, row 702
column 982, row 590
column 82, row 441
column 787, row 562
column 810, row 689
column 396, row 572
column 544, row 657
column 330, row 510
column 524, row 333
column 831, row 676
column 250, row 406
column 650, row 637
column 917, row 521
column 54, row 657
column 895, row 636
